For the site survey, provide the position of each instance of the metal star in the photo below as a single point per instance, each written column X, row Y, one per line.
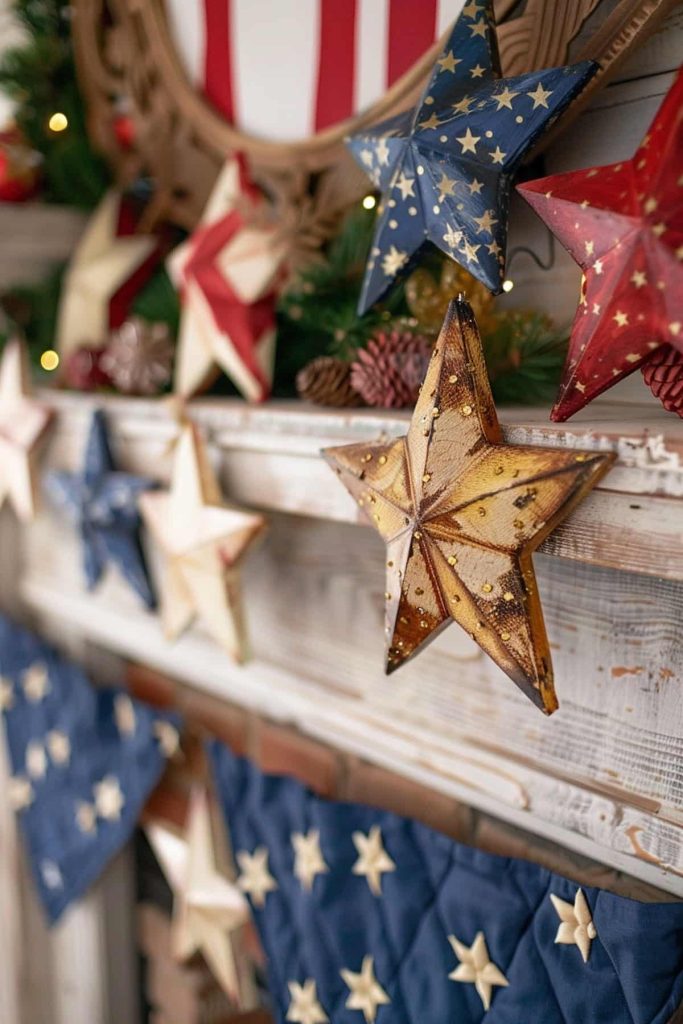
column 23, row 423
column 102, row 503
column 373, row 860
column 208, row 906
column 625, row 239
column 576, row 923
column 476, row 967
column 36, row 682
column 308, row 858
column 461, row 513
column 109, row 800
column 304, row 1007
column 255, row 879
column 366, row 992
column 468, row 122
column 204, row 541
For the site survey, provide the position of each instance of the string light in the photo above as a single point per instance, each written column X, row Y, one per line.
column 58, row 122
column 49, row 360
column 369, row 202
column 508, row 284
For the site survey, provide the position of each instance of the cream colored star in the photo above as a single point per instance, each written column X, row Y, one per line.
column 468, row 141
column 304, row 1007
column 498, row 155
column 448, row 61
column 405, row 185
column 650, row 204
column 452, row 237
column 431, row 122
column 470, row 10
column 659, row 229
column 23, row 422
column 124, row 714
column 367, row 156
column 479, row 29
column 36, row 760
column 366, row 992
column 463, row 105
column 493, row 248
column 20, row 792
column 373, row 860
column 504, row 98
column 101, row 263
column 597, row 267
column 6, row 694
column 167, row 737
column 393, row 261
column 477, row 71
column 36, row 683
column 208, row 907
column 476, row 967
column 109, row 800
column 382, row 151
column 446, row 186
column 675, row 327
column 470, row 252
column 255, row 879
column 486, row 221
column 59, row 747
column 639, row 278
column 86, row 818
column 620, row 318
column 540, row 96
column 475, row 186
column 589, row 246
column 576, row 924
column 308, row 860
column 204, row 542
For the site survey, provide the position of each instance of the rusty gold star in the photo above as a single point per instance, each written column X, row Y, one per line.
column 461, row 513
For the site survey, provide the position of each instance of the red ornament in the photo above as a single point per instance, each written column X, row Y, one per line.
column 82, row 369
column 623, row 224
column 18, row 167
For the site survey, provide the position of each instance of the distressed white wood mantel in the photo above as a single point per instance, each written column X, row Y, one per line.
column 603, row 776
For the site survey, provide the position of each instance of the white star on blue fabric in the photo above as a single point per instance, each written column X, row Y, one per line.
column 458, row 148
column 103, row 504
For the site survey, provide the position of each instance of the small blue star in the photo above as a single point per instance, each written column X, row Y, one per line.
column 103, row 504
column 445, row 168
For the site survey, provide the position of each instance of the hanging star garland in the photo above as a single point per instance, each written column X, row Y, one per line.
column 445, row 168
column 102, row 502
column 227, row 273
column 203, row 541
column 110, row 265
column 23, row 422
column 461, row 512
column 208, row 906
column 623, row 224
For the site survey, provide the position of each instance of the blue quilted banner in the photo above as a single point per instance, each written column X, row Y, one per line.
column 366, row 916
column 83, row 763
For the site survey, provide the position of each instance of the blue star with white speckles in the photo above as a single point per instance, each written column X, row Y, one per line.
column 445, row 168
column 103, row 503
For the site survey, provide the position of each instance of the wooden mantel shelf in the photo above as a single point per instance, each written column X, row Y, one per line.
column 269, row 457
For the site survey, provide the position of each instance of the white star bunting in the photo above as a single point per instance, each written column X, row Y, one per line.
column 308, row 861
column 373, row 860
column 304, row 1007
column 576, row 923
column 36, row 683
column 366, row 992
column 476, row 967
column 255, row 879
column 109, row 800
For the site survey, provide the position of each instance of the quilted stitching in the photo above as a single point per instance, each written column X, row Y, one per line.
column 440, row 888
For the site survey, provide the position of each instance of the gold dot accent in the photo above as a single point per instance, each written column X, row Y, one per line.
column 455, row 598
column 419, row 591
column 382, row 460
column 436, row 411
column 482, row 511
column 582, row 457
column 505, row 636
column 498, row 470
column 466, row 410
column 376, row 517
column 403, row 620
column 508, row 596
column 452, row 560
column 487, row 588
column 426, row 477
column 453, row 379
column 367, row 458
column 390, row 565
column 423, row 624
column 387, row 595
column 518, row 524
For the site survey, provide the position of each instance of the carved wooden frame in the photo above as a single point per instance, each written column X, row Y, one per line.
column 124, row 52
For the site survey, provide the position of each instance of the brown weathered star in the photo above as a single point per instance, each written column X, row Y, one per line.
column 461, row 513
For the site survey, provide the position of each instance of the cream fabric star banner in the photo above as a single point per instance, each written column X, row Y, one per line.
column 23, row 422
column 103, row 262
column 209, row 909
column 227, row 272
column 203, row 541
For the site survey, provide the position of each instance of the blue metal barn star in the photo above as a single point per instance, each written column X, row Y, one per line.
column 103, row 504
column 445, row 168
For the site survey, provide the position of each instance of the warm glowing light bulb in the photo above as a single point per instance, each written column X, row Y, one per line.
column 369, row 203
column 49, row 360
column 58, row 122
column 508, row 285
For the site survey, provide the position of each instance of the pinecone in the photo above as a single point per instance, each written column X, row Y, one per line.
column 663, row 373
column 139, row 357
column 389, row 371
column 327, row 381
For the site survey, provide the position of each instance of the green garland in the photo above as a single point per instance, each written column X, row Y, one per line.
column 39, row 75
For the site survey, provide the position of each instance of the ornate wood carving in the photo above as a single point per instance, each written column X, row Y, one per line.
column 127, row 60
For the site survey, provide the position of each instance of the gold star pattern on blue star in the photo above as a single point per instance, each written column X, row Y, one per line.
column 445, row 167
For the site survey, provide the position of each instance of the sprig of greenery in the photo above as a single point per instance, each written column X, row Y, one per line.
column 524, row 353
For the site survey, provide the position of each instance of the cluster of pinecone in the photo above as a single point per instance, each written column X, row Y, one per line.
column 386, row 374
column 663, row 374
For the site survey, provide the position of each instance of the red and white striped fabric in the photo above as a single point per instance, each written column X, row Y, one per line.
column 285, row 69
